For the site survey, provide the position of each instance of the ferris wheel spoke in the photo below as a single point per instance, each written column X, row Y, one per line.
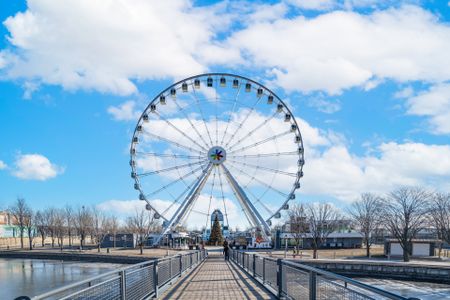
column 171, row 168
column 197, row 101
column 169, row 155
column 243, row 122
column 223, row 195
column 217, row 116
column 232, row 112
column 264, row 168
column 185, row 206
column 264, row 154
column 188, row 187
column 174, row 182
column 259, row 199
column 171, row 142
column 261, row 142
column 253, row 131
column 180, row 109
column 211, row 196
column 241, row 196
column 180, row 131
column 258, row 180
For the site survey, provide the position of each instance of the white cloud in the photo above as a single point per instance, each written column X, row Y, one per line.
column 343, row 49
column 404, row 93
column 325, row 106
column 2, row 165
column 124, row 112
column 197, row 217
column 106, row 45
column 435, row 104
column 29, row 88
column 331, row 52
column 35, row 167
column 122, row 207
column 337, row 172
column 314, row 4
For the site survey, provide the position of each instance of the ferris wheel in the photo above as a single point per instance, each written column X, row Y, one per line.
column 217, row 141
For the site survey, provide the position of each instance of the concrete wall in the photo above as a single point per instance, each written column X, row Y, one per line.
column 392, row 270
column 75, row 257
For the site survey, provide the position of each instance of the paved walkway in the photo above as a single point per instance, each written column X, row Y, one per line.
column 217, row 279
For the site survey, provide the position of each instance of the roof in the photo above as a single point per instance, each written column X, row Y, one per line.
column 392, row 240
column 352, row 234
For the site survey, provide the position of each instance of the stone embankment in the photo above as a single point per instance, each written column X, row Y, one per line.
column 75, row 256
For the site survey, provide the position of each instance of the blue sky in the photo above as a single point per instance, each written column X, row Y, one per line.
column 370, row 81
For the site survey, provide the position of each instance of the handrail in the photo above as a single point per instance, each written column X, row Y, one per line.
column 252, row 262
column 90, row 279
column 346, row 279
column 96, row 282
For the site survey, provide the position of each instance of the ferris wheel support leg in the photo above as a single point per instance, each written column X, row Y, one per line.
column 186, row 205
column 249, row 208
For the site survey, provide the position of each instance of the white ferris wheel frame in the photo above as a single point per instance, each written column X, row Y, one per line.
column 252, row 214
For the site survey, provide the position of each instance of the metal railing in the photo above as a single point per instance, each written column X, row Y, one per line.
column 140, row 281
column 292, row 280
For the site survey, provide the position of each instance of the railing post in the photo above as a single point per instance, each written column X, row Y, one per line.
column 312, row 285
column 155, row 278
column 123, row 288
column 264, row 270
column 254, row 265
column 181, row 264
column 170, row 267
column 280, row 278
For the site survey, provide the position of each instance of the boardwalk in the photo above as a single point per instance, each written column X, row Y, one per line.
column 217, row 279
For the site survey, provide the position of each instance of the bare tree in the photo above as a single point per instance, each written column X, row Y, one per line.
column 69, row 215
column 113, row 223
column 28, row 221
column 404, row 214
column 83, row 223
column 141, row 223
column 19, row 211
column 366, row 214
column 100, row 226
column 298, row 222
column 40, row 222
column 50, row 215
column 322, row 220
column 60, row 226
column 439, row 213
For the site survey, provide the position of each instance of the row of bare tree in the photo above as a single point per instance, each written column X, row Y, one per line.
column 68, row 223
column 403, row 213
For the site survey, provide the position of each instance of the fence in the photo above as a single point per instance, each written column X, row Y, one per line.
column 292, row 280
column 140, row 281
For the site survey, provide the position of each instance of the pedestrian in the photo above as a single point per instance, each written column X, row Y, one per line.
column 226, row 250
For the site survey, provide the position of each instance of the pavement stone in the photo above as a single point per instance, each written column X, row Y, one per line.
column 217, row 279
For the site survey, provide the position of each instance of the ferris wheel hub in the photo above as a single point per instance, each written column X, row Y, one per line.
column 217, row 155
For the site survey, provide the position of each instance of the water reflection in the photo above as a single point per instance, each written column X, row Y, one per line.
column 421, row 290
column 34, row 276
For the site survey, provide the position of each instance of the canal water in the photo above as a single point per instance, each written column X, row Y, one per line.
column 421, row 290
column 31, row 277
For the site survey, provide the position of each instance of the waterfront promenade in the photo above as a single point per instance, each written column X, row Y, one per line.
column 217, row 279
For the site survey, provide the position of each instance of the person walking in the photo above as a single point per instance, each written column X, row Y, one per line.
column 226, row 250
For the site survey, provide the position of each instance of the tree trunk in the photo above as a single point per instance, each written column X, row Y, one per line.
column 405, row 255
column 21, row 239
column 31, row 243
column 315, row 253
column 367, row 249
column 43, row 240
